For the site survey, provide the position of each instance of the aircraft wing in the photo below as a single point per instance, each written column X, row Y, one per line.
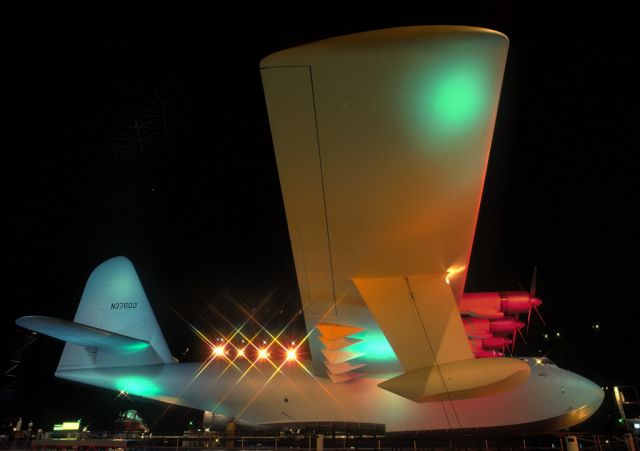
column 382, row 141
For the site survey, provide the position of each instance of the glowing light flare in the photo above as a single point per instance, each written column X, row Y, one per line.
column 137, row 385
column 277, row 368
column 292, row 354
column 219, row 351
column 452, row 271
column 263, row 354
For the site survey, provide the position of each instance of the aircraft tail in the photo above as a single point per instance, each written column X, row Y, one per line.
column 114, row 325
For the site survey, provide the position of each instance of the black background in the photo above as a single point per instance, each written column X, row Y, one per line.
column 203, row 221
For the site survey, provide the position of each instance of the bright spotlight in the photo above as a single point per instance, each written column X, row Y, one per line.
column 452, row 271
column 218, row 351
column 241, row 352
column 263, row 354
column 291, row 354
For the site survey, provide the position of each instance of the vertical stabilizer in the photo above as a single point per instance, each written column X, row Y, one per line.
column 114, row 300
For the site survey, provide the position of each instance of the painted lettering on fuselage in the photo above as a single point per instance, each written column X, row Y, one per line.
column 123, row 305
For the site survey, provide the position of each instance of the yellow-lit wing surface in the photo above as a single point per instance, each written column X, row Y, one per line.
column 382, row 140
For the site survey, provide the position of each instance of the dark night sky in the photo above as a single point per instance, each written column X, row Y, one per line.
column 204, row 222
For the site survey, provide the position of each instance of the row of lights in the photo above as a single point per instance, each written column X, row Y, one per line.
column 262, row 353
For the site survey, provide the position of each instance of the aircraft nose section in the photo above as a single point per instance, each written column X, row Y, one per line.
column 587, row 396
column 593, row 394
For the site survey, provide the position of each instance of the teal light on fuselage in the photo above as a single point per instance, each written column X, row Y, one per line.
column 374, row 346
column 135, row 347
column 137, row 385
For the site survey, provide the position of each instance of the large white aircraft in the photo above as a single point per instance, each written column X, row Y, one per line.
column 382, row 141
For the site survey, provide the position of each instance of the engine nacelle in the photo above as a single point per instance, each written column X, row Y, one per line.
column 494, row 304
column 505, row 326
column 477, row 327
column 518, row 302
column 481, row 305
column 487, row 354
column 486, row 344
column 485, row 328
column 495, row 343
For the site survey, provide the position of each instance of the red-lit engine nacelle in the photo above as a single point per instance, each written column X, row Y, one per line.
column 485, row 328
column 478, row 345
column 485, row 354
column 495, row 343
column 493, row 305
column 518, row 302
column 505, row 326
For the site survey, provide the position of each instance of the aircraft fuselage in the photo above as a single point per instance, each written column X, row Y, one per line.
column 551, row 398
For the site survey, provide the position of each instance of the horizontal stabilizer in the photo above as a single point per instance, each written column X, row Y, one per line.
column 82, row 335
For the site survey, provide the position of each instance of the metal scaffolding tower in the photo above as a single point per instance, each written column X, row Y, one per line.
column 151, row 133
